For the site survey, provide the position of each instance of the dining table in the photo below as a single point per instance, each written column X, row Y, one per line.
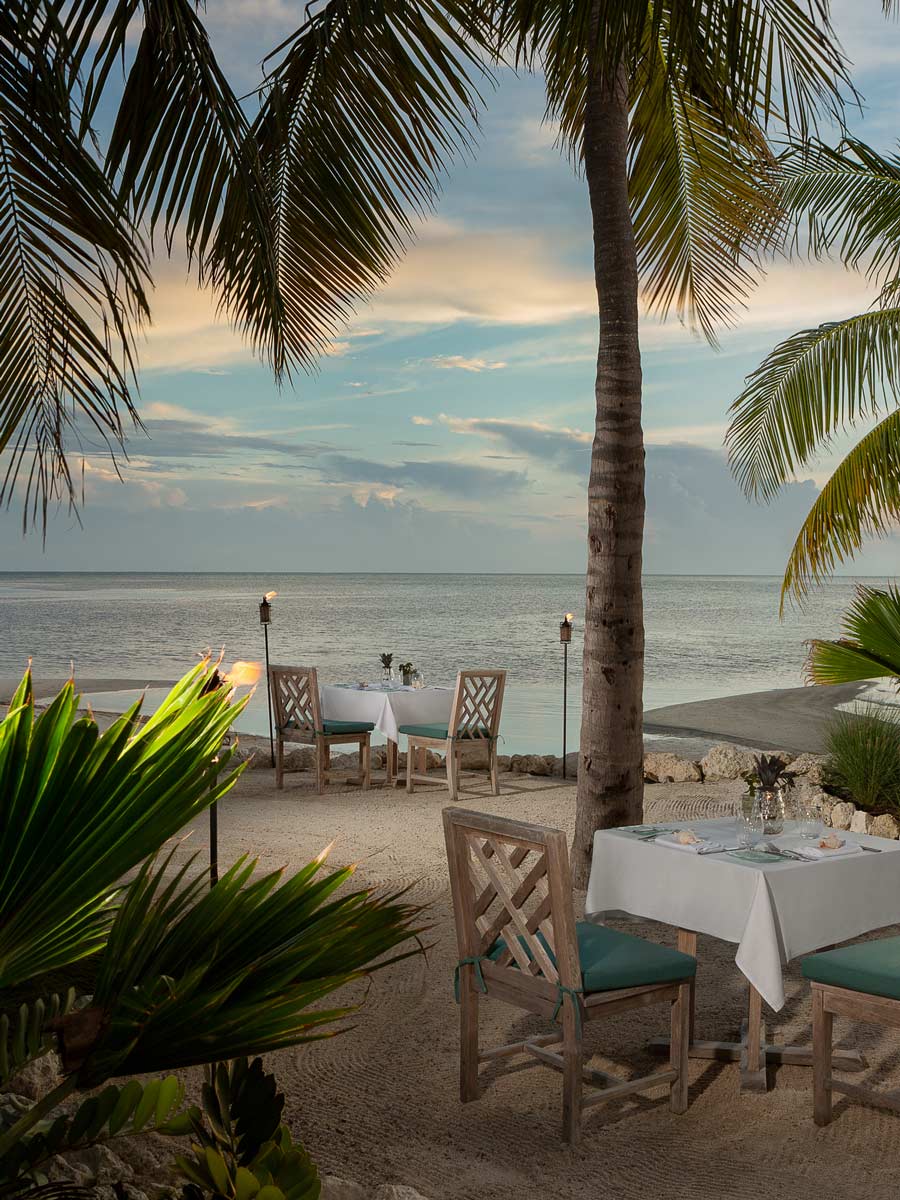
column 773, row 905
column 387, row 706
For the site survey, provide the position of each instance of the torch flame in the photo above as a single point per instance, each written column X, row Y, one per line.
column 244, row 674
column 570, row 617
column 270, row 595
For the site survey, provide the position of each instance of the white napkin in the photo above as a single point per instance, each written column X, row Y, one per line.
column 816, row 852
column 668, row 840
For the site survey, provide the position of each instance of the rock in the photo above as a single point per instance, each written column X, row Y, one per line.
column 503, row 762
column 38, row 1078
column 532, row 764
column 571, row 766
column 885, row 825
column 861, row 821
column 334, row 1188
column 725, row 761
column 101, row 1164
column 811, row 766
column 301, row 760
column 842, row 814
column 670, row 768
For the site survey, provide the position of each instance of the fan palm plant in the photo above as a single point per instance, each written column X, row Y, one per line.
column 185, row 975
column 295, row 214
column 840, row 375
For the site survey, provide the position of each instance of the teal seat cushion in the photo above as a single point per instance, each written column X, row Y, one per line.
column 610, row 959
column 333, row 727
column 872, row 967
column 442, row 732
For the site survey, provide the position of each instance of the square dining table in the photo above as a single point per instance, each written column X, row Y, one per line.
column 772, row 909
column 387, row 706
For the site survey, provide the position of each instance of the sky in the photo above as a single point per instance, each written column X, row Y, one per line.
column 450, row 426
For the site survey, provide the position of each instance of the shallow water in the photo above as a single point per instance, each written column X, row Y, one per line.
column 706, row 635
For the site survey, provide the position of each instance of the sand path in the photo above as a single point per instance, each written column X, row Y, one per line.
column 379, row 1103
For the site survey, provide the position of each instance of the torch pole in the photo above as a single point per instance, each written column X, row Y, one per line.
column 269, row 699
column 565, row 700
column 213, row 843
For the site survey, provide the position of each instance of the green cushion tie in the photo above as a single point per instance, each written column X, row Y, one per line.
column 472, row 961
column 562, row 992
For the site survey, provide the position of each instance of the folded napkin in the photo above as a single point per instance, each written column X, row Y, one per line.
column 704, row 845
column 815, row 852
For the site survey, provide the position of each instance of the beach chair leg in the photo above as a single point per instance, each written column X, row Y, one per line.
column 495, row 777
column 410, row 757
column 822, row 1039
column 452, row 772
column 365, row 758
column 279, row 762
column 321, row 762
column 679, row 1046
column 468, row 1038
column 572, row 1077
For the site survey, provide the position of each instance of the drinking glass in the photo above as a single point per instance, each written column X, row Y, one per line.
column 809, row 821
column 750, row 828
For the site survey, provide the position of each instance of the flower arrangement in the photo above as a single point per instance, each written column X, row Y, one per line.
column 406, row 672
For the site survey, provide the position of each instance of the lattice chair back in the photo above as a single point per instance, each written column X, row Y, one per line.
column 512, row 900
column 295, row 700
column 477, row 702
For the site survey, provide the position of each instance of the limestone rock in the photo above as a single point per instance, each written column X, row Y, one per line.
column 37, row 1078
column 503, row 762
column 725, row 761
column 334, row 1188
column 811, row 766
column 842, row 814
column 885, row 825
column 670, row 768
column 571, row 766
column 532, row 764
column 860, row 822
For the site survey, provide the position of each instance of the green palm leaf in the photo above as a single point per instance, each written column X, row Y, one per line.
column 860, row 500
column 114, row 796
column 193, row 975
column 72, row 273
column 870, row 648
column 808, row 387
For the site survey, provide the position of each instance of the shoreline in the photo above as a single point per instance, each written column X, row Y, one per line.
column 789, row 719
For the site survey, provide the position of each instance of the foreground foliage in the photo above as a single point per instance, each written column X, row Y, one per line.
column 184, row 974
column 864, row 758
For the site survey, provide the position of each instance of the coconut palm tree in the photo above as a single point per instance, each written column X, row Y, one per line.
column 662, row 104
column 839, row 375
column 870, row 646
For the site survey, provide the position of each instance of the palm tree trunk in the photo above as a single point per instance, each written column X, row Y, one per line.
column 610, row 764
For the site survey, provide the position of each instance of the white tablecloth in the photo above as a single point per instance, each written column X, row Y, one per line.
column 773, row 912
column 387, row 708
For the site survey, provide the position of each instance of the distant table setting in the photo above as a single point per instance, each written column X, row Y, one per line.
column 387, row 706
column 787, row 896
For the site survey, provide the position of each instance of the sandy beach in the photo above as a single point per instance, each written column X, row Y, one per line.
column 380, row 1103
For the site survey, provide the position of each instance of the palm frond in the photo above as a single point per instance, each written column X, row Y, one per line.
column 860, row 500
column 73, row 270
column 364, row 107
column 26, row 1037
column 851, row 199
column 808, row 387
column 870, row 648
column 192, row 975
column 701, row 204
column 116, row 796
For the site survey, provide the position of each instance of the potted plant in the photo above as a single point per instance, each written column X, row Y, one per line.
column 406, row 672
column 387, row 670
column 769, row 780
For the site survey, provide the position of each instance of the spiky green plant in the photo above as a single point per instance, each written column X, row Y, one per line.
column 864, row 757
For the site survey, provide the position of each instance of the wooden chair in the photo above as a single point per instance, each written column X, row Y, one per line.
column 519, row 942
column 861, row 982
column 298, row 718
column 474, row 719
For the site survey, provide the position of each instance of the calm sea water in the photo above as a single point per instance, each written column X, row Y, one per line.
column 706, row 635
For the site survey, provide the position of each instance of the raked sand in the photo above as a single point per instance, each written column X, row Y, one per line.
column 380, row 1104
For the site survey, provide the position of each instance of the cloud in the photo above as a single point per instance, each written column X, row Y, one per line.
column 452, row 478
column 457, row 273
column 421, row 420
column 568, row 449
column 458, row 362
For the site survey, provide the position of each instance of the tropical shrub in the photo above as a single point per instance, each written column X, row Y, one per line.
column 864, row 758
column 184, row 974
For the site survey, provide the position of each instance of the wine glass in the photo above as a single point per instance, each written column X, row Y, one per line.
column 809, row 820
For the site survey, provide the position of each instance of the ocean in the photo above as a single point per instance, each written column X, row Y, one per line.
column 707, row 635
